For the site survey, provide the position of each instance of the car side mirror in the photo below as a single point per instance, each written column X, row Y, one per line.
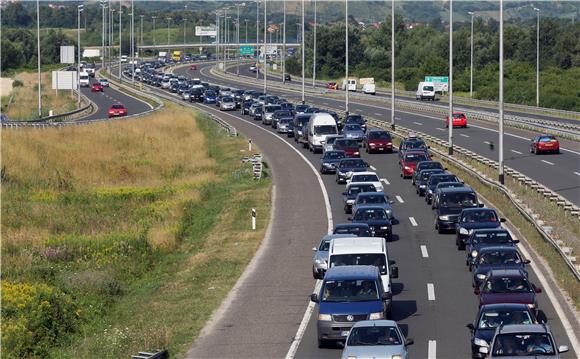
column 349, row 218
column 394, row 272
column 538, row 290
column 314, row 298
column 314, row 249
column 391, row 201
column 344, row 193
column 502, row 220
column 484, row 350
column 386, row 296
column 470, row 326
column 516, row 241
column 480, row 205
column 411, row 341
column 563, row 349
column 476, row 291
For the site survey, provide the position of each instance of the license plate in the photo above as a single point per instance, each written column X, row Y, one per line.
column 345, row 333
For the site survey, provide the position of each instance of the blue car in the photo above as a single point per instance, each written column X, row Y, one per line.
column 471, row 219
column 421, row 179
column 353, row 131
column 209, row 97
column 348, row 295
column 496, row 258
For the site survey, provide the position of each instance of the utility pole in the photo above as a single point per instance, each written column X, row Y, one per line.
column 246, row 22
column 112, row 37
column 217, row 37
column 393, row 65
column 79, row 10
column 38, row 57
column 132, row 42
column 103, row 7
column 284, row 46
column 314, row 61
column 450, row 148
column 265, row 48
column 141, row 50
column 346, row 57
column 501, row 176
column 120, row 37
column 154, row 41
column 184, row 29
column 471, row 71
column 168, row 20
column 303, row 50
column 537, row 57
column 257, row 38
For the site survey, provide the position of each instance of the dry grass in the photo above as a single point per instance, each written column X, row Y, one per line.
column 24, row 103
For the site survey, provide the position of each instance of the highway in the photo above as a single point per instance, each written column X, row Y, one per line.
column 561, row 173
column 262, row 315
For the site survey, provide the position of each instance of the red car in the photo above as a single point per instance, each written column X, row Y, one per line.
column 508, row 286
column 117, row 110
column 332, row 86
column 193, row 67
column 459, row 120
column 409, row 161
column 97, row 87
column 378, row 141
column 350, row 147
column 544, row 143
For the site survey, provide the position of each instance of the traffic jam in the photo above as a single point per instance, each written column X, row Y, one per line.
column 355, row 270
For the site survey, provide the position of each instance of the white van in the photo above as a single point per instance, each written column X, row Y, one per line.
column 349, row 84
column 425, row 90
column 320, row 126
column 364, row 251
column 84, row 80
column 124, row 59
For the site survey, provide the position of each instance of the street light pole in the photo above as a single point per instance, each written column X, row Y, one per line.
column 154, row 41
column 132, row 42
column 314, row 60
column 471, row 61
column 257, row 37
column 303, row 50
column 265, row 48
column 168, row 20
column 346, row 57
column 393, row 65
column 120, row 36
column 184, row 29
column 284, row 45
column 217, row 37
column 141, row 17
column 79, row 10
column 537, row 58
column 112, row 37
column 450, row 140
column 246, row 22
column 38, row 58
column 501, row 175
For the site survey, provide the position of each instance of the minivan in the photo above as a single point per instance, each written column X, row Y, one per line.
column 320, row 126
column 425, row 90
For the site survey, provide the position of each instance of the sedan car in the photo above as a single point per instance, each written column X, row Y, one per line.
column 332, row 86
column 367, row 177
column 104, row 82
column 280, row 114
column 491, row 316
column 117, row 110
column 349, row 146
column 544, row 144
column 352, row 191
column 300, row 109
column 507, row 286
column 380, row 339
column 355, row 119
column 287, row 78
column 348, row 166
column 285, row 125
column 227, row 103
column 496, row 257
column 258, row 113
column 209, row 97
column 353, row 131
column 523, row 341
column 450, row 204
column 330, row 160
column 409, row 161
column 374, row 199
column 356, row 229
column 434, row 180
column 471, row 219
column 459, row 120
column 269, row 113
column 377, row 141
column 97, row 87
column 411, row 143
column 482, row 238
column 425, row 165
column 422, row 178
column 377, row 219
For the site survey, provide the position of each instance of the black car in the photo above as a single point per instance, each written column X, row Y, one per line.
column 422, row 178
column 196, row 94
column 436, row 179
column 355, row 119
column 245, row 108
column 496, row 257
column 357, row 229
column 280, row 114
column 481, row 238
column 412, row 144
column 288, row 106
column 346, row 167
column 300, row 109
column 330, row 160
column 451, row 202
column 440, row 186
column 352, row 191
column 377, row 219
column 258, row 113
column 287, row 77
column 424, row 165
column 491, row 316
column 299, row 121
column 471, row 219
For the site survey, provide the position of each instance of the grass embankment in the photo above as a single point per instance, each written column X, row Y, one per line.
column 125, row 236
column 24, row 97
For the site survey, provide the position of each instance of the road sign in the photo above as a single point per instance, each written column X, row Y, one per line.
column 64, row 80
column 246, row 50
column 67, row 54
column 205, row 31
column 441, row 83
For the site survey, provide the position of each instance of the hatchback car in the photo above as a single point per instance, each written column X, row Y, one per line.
column 496, row 257
column 377, row 219
column 459, row 120
column 507, row 286
column 281, row 114
column 347, row 166
column 330, row 160
column 434, row 180
column 523, row 341
column 450, row 203
column 374, row 199
column 104, row 82
column 426, row 165
column 97, row 87
column 377, row 141
column 269, row 113
column 376, row 339
column 117, row 110
column 209, row 97
column 349, row 146
column 227, row 103
column 354, row 119
column 471, row 219
column 481, row 238
column 367, row 177
column 544, row 144
column 409, row 161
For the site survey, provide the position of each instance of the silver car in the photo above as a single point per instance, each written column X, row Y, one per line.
column 523, row 341
column 379, row 339
column 227, row 104
column 329, row 143
column 185, row 95
column 320, row 260
column 284, row 125
column 374, row 199
column 268, row 113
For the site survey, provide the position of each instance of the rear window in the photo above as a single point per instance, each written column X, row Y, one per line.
column 272, row 108
column 117, row 106
column 547, row 139
column 427, row 88
column 414, row 158
column 382, row 135
column 341, row 143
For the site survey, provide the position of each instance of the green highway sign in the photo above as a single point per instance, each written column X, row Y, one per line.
column 441, row 79
column 246, row 50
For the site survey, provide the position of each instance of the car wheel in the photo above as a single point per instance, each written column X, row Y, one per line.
column 557, row 152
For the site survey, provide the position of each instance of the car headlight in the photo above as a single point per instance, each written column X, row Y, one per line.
column 384, row 227
column 407, row 168
column 397, row 356
column 444, row 218
column 422, row 186
column 357, row 153
column 372, row 144
column 375, row 316
column 389, row 212
column 319, row 261
column 349, row 174
column 350, row 201
column 481, row 276
column 430, row 191
column 324, row 317
column 474, row 253
column 351, row 357
column 463, row 231
column 480, row 342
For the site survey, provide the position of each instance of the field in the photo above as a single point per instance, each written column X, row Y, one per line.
column 122, row 237
column 22, row 103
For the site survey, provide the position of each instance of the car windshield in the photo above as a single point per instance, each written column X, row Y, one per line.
column 330, row 140
column 415, row 144
column 449, row 184
column 324, row 245
column 379, row 135
column 467, row 199
column 352, row 127
column 301, row 108
column 353, row 190
column 285, row 121
column 350, row 291
column 325, row 130
column 368, row 259
column 227, row 99
column 434, row 180
column 334, row 155
column 499, row 257
column 283, row 113
column 354, row 163
column 358, row 231
column 426, row 174
column 210, row 93
column 458, row 115
column 375, row 335
column 492, row 238
column 479, row 216
column 355, row 120
column 415, row 157
column 374, row 199
column 493, row 318
column 272, row 108
column 365, row 178
column 369, row 214
column 523, row 344
column 507, row 285
column 345, row 143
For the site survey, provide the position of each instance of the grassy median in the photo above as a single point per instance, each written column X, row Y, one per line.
column 122, row 237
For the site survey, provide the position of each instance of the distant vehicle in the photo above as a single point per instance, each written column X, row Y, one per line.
column 300, row 121
column 348, row 166
column 227, row 103
column 253, row 68
column 124, row 59
column 369, row 338
column 97, row 87
column 288, row 78
column 259, row 113
column 269, row 113
column 374, row 199
column 425, row 90
column 422, row 178
column 176, row 56
column 367, row 177
column 435, row 180
column 349, row 84
column 329, row 143
column 523, row 341
column 332, row 86
column 459, row 120
column 352, row 190
column 162, row 56
column 300, row 109
column 471, row 219
column 104, row 82
column 378, row 141
column 193, row 67
column 117, row 110
column 355, row 120
column 544, row 144
column 320, row 126
column 84, row 79
column 424, row 166
column 284, row 125
column 377, row 219
column 368, row 85
column 209, row 97
column 352, row 131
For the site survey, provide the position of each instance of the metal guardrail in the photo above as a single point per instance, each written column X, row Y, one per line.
column 160, row 354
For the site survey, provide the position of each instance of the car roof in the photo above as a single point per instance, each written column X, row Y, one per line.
column 352, row 225
column 504, row 306
column 466, row 189
column 375, row 323
column 491, row 230
column 506, row 273
column 523, row 328
column 352, row 184
column 365, row 173
column 351, row 272
column 360, row 244
column 478, row 209
column 371, row 194
column 331, row 236
column 497, row 248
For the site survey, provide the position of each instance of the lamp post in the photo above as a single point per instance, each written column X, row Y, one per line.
column 154, row 41
column 103, row 32
column 79, row 10
column 120, row 36
column 238, row 37
column 471, row 60
column 141, row 17
column 501, row 176
column 346, row 57
column 393, row 65
column 38, row 58
column 450, row 140
column 168, row 20
column 284, row 45
column 303, row 50
column 537, row 57
column 217, row 37
column 132, row 42
column 257, row 37
column 246, row 23
column 314, row 60
column 184, row 29
column 112, row 36
column 265, row 48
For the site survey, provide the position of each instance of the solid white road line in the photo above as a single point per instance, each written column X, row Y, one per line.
column 378, row 114
column 413, row 221
column 418, row 123
column 439, row 129
column 430, row 291
column 577, row 173
column 424, row 252
column 373, row 168
column 518, row 152
column 464, row 135
column 547, row 162
column 432, row 350
column 385, row 180
column 400, row 199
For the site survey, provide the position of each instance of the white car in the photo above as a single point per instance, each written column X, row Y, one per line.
column 104, row 82
column 367, row 176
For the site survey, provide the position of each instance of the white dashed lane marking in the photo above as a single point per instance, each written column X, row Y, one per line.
column 548, row 162
column 385, row 181
column 424, row 252
column 432, row 350
column 430, row 291
column 373, row 168
column 464, row 135
column 517, row 152
column 413, row 221
column 399, row 199
column 418, row 123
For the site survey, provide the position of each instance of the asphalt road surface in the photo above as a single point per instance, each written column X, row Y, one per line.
column 560, row 173
column 265, row 312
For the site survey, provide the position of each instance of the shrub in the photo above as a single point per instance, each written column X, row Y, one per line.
column 17, row 83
